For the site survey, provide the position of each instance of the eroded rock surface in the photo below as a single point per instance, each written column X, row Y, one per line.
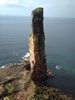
column 16, row 84
column 17, row 81
column 37, row 46
column 14, row 78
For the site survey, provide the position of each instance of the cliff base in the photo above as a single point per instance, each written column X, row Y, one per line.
column 16, row 84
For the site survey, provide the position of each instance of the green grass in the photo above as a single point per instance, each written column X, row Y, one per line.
column 9, row 87
column 39, row 9
column 6, row 98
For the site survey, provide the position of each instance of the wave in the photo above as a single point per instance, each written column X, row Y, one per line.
column 58, row 67
column 2, row 67
column 26, row 57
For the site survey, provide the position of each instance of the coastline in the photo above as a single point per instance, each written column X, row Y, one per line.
column 28, row 79
column 14, row 79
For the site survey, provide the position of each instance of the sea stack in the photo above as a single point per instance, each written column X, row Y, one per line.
column 37, row 47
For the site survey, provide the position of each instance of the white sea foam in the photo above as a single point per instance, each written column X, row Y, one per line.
column 58, row 67
column 26, row 57
column 2, row 67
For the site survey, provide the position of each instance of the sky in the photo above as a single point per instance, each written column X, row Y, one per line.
column 52, row 8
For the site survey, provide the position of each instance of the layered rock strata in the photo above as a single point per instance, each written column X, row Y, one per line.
column 15, row 79
column 37, row 46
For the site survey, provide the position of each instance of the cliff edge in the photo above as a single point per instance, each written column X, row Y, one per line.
column 27, row 80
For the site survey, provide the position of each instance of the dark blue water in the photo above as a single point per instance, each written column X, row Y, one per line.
column 60, row 46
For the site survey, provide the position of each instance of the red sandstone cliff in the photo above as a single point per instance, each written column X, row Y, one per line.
column 37, row 46
column 17, row 81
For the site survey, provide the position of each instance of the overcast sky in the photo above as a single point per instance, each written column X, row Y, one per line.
column 52, row 8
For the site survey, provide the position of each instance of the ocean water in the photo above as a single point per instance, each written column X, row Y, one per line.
column 60, row 46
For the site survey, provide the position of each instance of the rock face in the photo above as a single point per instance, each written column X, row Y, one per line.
column 37, row 46
column 16, row 84
column 15, row 79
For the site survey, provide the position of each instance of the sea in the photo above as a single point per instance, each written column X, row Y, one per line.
column 59, row 47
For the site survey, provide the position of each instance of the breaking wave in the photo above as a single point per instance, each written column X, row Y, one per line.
column 58, row 67
column 26, row 57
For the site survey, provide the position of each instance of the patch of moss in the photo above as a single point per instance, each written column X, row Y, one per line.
column 9, row 87
column 40, row 94
column 37, row 10
column 6, row 98
column 39, row 90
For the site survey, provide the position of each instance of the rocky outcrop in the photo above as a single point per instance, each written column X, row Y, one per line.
column 16, row 84
column 37, row 47
column 15, row 79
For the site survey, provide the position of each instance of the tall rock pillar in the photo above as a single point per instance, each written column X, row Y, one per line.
column 37, row 47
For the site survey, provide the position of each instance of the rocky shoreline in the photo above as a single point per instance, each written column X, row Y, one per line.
column 16, row 84
column 28, row 79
